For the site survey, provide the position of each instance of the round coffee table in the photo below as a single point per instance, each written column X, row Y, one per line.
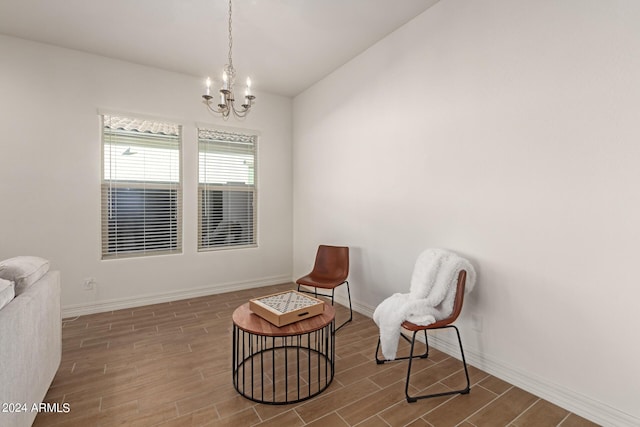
column 280, row 365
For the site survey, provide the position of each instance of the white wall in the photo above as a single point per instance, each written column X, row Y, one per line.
column 506, row 131
column 50, row 176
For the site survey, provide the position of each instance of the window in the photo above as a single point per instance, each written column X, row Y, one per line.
column 141, row 187
column 226, row 189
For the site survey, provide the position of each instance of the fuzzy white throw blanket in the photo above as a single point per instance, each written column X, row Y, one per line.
column 430, row 298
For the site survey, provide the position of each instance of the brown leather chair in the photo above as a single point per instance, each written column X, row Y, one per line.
column 330, row 270
column 440, row 324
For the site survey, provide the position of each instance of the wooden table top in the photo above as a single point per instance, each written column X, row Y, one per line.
column 248, row 321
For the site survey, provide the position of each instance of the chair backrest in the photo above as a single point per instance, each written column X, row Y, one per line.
column 457, row 303
column 332, row 262
column 457, row 308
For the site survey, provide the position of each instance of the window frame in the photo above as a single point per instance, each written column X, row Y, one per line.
column 107, row 184
column 229, row 187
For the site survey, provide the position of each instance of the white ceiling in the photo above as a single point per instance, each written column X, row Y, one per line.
column 284, row 45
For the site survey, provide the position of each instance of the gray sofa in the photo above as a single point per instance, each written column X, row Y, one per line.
column 30, row 349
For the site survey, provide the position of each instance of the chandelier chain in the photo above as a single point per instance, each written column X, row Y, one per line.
column 230, row 38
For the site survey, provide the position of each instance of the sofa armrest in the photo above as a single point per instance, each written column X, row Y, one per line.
column 30, row 347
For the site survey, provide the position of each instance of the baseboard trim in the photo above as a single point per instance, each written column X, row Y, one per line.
column 123, row 303
column 579, row 404
column 568, row 399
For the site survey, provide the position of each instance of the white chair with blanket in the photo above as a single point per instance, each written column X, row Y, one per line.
column 438, row 284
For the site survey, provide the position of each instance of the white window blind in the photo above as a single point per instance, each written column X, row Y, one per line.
column 226, row 190
column 141, row 187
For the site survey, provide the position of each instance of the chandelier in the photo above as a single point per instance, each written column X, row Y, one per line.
column 226, row 102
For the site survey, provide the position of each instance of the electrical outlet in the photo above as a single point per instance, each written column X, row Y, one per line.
column 89, row 284
column 476, row 322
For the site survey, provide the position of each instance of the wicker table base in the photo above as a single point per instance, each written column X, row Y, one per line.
column 282, row 365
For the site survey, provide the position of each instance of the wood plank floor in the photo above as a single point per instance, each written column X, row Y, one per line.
column 170, row 365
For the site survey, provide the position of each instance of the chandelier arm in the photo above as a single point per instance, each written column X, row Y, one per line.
column 228, row 108
column 215, row 109
column 239, row 113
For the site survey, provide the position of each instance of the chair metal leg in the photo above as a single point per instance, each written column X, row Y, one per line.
column 350, row 309
column 332, row 296
column 406, row 384
column 465, row 390
column 403, row 336
column 379, row 361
